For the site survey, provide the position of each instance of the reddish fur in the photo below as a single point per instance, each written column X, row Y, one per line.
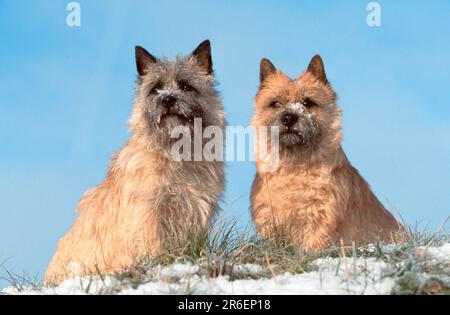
column 315, row 193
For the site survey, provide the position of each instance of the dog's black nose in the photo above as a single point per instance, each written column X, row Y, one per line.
column 168, row 101
column 289, row 120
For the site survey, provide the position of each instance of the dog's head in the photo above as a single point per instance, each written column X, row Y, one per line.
column 304, row 109
column 174, row 93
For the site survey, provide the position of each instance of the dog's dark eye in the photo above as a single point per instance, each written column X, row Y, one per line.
column 308, row 103
column 155, row 89
column 275, row 104
column 185, row 87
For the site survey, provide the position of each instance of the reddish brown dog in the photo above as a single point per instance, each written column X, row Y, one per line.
column 315, row 193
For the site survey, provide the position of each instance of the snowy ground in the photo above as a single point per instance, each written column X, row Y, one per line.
column 350, row 275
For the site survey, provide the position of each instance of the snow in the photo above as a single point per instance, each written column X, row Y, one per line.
column 331, row 276
column 324, row 281
column 177, row 271
column 297, row 107
column 437, row 253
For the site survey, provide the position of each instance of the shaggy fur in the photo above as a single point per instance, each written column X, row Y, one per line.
column 146, row 195
column 315, row 193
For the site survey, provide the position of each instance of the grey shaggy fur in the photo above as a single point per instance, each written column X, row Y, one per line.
column 163, row 79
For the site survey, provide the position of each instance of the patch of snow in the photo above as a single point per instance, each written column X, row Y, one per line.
column 248, row 269
column 297, row 107
column 331, row 276
column 176, row 271
column 436, row 253
column 73, row 286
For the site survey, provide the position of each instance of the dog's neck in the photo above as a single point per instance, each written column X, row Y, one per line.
column 139, row 154
column 308, row 161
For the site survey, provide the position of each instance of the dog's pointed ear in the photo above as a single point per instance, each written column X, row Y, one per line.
column 143, row 60
column 203, row 56
column 317, row 69
column 266, row 69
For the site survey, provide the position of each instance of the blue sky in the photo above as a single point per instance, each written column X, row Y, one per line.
column 66, row 94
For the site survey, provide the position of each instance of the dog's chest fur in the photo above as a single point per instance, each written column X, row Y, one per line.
column 176, row 194
column 320, row 204
column 299, row 196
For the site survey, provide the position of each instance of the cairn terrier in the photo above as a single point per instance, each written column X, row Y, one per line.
column 315, row 194
column 146, row 194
